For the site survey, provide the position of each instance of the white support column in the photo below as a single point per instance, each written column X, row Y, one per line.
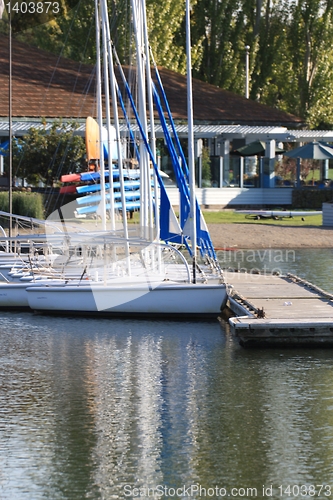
column 270, row 153
column 241, row 171
column 261, row 171
column 198, row 145
column 225, row 163
column 326, row 170
column 221, row 172
column 270, row 148
column 200, row 172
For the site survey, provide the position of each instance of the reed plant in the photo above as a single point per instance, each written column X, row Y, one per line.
column 24, row 203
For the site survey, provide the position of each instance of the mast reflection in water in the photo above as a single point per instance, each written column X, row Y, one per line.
column 95, row 408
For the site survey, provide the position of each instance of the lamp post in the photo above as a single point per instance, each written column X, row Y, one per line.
column 247, row 59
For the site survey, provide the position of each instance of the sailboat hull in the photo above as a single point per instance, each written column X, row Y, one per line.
column 163, row 300
column 13, row 296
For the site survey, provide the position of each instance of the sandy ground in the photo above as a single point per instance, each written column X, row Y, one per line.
column 269, row 236
column 255, row 235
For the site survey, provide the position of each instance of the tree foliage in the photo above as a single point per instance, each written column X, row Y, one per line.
column 44, row 155
column 291, row 54
column 291, row 60
column 206, row 173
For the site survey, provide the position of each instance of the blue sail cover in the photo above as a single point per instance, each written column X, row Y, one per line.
column 181, row 172
column 170, row 230
column 169, row 227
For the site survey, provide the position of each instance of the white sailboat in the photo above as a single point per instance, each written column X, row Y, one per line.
column 137, row 274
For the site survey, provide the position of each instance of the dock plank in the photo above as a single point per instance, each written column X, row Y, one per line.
column 298, row 308
column 279, row 290
column 295, row 312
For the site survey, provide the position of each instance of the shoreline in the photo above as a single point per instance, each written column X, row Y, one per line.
column 240, row 236
column 251, row 236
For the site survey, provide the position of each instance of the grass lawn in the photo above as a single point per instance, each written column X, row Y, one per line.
column 229, row 217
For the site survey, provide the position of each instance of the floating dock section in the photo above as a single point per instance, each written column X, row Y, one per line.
column 279, row 311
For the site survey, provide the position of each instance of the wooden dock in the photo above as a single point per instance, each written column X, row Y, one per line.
column 279, row 310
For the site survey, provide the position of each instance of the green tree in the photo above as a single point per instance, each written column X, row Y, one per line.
column 44, row 155
column 73, row 33
column 166, row 26
column 311, row 61
column 219, row 24
column 205, row 165
column 268, row 45
column 291, row 54
column 291, row 57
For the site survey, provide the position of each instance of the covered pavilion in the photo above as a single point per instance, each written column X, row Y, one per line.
column 46, row 86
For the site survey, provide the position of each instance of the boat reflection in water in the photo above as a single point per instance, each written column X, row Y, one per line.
column 92, row 406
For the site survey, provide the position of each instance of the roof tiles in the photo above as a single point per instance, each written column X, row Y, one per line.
column 44, row 85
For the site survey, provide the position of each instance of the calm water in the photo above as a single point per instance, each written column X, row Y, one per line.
column 97, row 408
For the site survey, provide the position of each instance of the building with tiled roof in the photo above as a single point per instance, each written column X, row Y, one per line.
column 44, row 85
column 51, row 87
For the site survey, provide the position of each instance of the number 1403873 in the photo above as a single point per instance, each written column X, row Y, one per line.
column 33, row 7
column 305, row 490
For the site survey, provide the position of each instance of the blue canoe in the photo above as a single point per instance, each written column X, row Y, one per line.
column 91, row 209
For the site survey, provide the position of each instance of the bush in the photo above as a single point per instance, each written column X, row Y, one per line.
column 312, row 198
column 206, row 170
column 26, row 204
column 44, row 154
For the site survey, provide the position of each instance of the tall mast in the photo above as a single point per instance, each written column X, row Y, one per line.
column 152, row 124
column 108, row 115
column 144, row 158
column 10, row 176
column 191, row 141
column 114, row 87
column 100, row 114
